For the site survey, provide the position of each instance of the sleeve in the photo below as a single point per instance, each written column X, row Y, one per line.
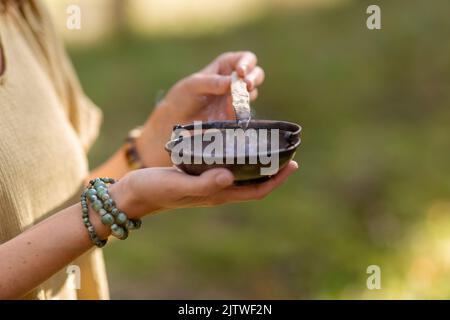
column 83, row 114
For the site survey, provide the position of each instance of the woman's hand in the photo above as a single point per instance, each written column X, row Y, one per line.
column 204, row 95
column 151, row 190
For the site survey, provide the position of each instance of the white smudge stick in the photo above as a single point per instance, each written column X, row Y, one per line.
column 240, row 100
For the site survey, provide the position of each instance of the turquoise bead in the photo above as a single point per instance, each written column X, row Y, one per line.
column 121, row 218
column 125, row 235
column 102, row 212
column 91, row 192
column 133, row 224
column 108, row 180
column 108, row 205
column 97, row 205
column 117, row 231
column 101, row 192
column 105, row 196
column 100, row 187
column 107, row 219
column 137, row 223
column 115, row 211
column 129, row 225
column 98, row 183
column 93, row 198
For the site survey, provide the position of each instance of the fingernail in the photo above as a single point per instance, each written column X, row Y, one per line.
column 224, row 179
column 295, row 164
column 249, row 84
column 243, row 69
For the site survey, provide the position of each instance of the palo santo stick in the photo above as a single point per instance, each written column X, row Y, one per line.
column 240, row 100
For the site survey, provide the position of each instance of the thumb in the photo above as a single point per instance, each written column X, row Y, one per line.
column 200, row 83
column 210, row 182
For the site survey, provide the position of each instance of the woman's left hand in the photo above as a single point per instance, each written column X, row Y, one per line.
column 204, row 96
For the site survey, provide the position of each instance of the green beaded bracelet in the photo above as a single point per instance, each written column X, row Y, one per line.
column 110, row 215
column 92, row 234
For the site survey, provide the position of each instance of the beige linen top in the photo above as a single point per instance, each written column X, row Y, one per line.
column 46, row 127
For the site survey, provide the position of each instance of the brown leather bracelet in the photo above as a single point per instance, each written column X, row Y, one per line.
column 131, row 153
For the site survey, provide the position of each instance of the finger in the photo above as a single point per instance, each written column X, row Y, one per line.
column 255, row 78
column 253, row 94
column 246, row 63
column 261, row 190
column 258, row 191
column 209, row 182
column 241, row 61
column 200, row 83
column 277, row 180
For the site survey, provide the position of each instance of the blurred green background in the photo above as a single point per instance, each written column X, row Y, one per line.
column 374, row 184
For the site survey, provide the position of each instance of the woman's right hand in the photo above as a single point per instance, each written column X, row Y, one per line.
column 151, row 190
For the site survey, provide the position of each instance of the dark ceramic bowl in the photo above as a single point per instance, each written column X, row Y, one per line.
column 246, row 162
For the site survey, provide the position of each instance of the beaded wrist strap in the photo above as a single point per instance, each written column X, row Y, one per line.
column 131, row 153
column 97, row 194
column 87, row 223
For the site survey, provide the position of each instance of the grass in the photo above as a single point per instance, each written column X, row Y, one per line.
column 374, row 157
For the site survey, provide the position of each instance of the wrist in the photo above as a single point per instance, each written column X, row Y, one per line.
column 123, row 198
column 97, row 197
column 133, row 196
column 150, row 144
column 102, row 230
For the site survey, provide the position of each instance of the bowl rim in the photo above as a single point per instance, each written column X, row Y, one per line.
column 232, row 124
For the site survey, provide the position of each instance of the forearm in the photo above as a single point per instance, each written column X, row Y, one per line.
column 115, row 167
column 149, row 146
column 33, row 256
